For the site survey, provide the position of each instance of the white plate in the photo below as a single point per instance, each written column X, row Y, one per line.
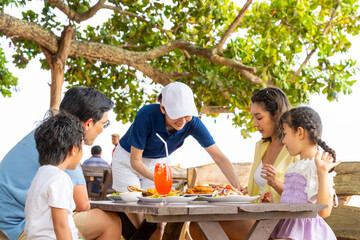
column 231, row 198
column 115, row 198
column 175, row 199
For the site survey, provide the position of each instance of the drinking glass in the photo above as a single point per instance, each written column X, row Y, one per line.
column 163, row 180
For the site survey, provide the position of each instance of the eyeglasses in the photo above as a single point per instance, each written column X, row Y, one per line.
column 106, row 124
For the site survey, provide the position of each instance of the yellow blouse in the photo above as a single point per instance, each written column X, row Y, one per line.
column 281, row 163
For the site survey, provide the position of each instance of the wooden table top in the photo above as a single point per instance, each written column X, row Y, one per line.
column 202, row 210
column 207, row 215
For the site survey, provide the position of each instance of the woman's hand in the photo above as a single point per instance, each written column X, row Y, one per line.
column 268, row 172
column 325, row 162
column 266, row 197
column 244, row 190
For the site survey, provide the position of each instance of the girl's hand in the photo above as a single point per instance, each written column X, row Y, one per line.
column 325, row 162
column 266, row 197
column 268, row 172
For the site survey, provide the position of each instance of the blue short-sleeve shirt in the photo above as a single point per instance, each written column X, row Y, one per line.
column 149, row 121
column 17, row 170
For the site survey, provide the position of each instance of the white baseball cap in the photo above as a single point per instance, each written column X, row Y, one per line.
column 178, row 100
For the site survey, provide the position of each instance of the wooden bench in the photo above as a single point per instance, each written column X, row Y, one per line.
column 91, row 174
column 345, row 220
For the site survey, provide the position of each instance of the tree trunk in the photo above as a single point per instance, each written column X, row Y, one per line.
column 57, row 63
column 57, row 80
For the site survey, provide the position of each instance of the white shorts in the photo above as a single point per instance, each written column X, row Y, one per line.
column 124, row 175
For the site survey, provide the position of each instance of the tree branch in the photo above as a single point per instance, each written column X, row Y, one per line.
column 326, row 29
column 64, row 43
column 112, row 54
column 74, row 15
column 343, row 19
column 215, row 110
column 197, row 51
column 232, row 27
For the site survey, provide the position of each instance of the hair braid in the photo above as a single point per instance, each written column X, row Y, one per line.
column 310, row 121
column 326, row 148
column 309, row 125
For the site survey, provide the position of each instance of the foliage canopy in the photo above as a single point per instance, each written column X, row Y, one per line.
column 221, row 50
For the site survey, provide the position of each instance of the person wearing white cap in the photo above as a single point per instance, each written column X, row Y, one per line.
column 174, row 119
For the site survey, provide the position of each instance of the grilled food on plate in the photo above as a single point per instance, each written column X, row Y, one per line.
column 198, row 189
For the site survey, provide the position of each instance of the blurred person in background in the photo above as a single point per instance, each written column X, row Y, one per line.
column 115, row 138
column 96, row 161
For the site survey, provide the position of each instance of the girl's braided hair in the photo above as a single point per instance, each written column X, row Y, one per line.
column 274, row 101
column 309, row 120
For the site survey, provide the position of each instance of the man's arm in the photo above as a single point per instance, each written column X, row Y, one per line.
column 61, row 223
column 81, row 198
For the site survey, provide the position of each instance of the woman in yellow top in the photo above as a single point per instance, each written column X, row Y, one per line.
column 271, row 158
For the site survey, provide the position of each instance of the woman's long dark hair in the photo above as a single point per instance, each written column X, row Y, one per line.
column 274, row 101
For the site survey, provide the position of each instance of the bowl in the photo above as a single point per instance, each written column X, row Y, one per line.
column 130, row 196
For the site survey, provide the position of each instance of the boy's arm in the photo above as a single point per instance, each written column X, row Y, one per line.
column 61, row 224
column 81, row 198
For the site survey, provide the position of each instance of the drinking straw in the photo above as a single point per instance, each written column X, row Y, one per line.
column 166, row 149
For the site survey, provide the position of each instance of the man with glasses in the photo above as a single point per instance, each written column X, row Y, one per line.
column 20, row 165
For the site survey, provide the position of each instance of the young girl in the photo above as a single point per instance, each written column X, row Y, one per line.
column 308, row 180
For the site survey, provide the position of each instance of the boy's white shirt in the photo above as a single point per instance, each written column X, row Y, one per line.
column 51, row 187
column 307, row 168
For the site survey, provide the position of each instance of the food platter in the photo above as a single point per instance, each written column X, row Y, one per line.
column 115, row 198
column 198, row 195
column 231, row 198
column 176, row 199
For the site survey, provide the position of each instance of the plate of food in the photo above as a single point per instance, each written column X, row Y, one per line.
column 196, row 195
column 231, row 198
column 171, row 199
column 115, row 197
column 229, row 194
column 200, row 190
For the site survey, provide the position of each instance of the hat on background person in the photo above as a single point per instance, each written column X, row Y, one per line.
column 178, row 100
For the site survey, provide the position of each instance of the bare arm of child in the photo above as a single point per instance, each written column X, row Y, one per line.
column 324, row 164
column 61, row 224
column 81, row 198
column 269, row 173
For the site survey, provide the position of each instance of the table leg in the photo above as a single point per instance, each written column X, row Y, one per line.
column 172, row 230
column 212, row 230
column 262, row 229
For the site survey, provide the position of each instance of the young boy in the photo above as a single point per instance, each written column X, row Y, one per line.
column 49, row 201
